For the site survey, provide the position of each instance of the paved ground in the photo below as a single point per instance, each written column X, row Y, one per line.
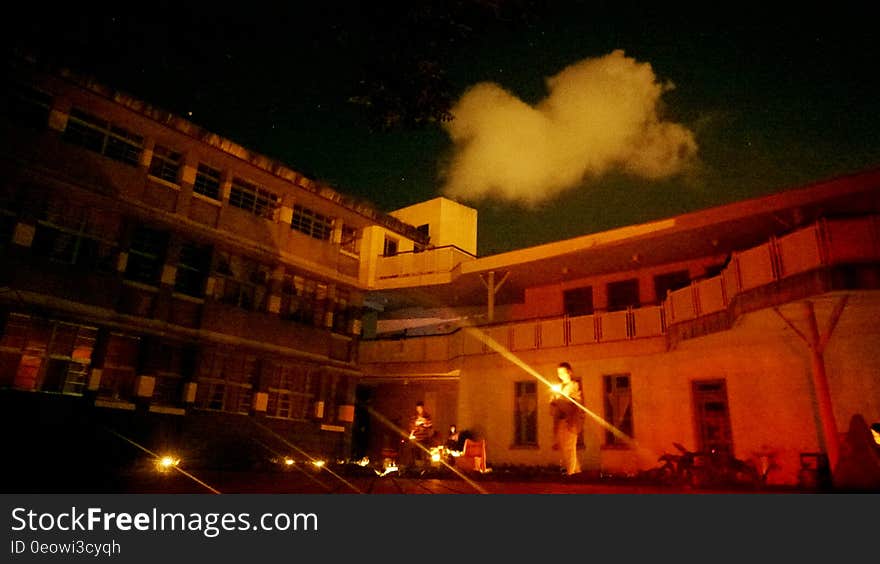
column 336, row 481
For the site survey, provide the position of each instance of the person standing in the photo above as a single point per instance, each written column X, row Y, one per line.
column 421, row 431
column 568, row 418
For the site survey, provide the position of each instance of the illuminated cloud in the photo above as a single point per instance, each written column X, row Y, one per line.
column 599, row 115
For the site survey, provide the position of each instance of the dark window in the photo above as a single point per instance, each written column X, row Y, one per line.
column 240, row 282
column 7, row 227
column 8, row 214
column 618, row 407
column 252, row 198
column 290, row 392
column 226, row 381
column 165, row 164
column 346, row 316
column 192, row 269
column 72, row 234
column 578, row 301
column 623, row 294
column 311, row 223
column 670, row 282
column 715, row 270
column 27, row 106
column 207, row 182
column 120, row 367
column 525, row 414
column 146, row 256
column 349, row 239
column 303, row 300
column 169, row 364
column 390, row 248
column 103, row 137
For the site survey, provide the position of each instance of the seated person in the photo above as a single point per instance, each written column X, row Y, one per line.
column 453, row 440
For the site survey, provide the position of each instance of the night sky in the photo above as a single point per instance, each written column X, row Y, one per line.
column 772, row 101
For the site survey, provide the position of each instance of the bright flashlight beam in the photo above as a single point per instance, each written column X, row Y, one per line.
column 500, row 349
column 385, row 421
column 311, row 458
column 159, row 458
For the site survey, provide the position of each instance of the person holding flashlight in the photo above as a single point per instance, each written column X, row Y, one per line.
column 568, row 418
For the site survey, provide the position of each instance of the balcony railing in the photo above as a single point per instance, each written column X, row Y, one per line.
column 520, row 336
column 440, row 260
column 826, row 243
column 823, row 244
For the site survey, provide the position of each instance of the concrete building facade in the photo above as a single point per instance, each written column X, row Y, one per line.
column 747, row 329
column 160, row 273
column 156, row 269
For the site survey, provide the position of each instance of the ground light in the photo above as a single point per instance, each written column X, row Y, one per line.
column 166, row 463
column 159, row 459
column 313, row 460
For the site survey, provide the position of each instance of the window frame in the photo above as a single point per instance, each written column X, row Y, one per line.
column 611, row 386
column 525, row 425
column 616, row 286
column 253, row 198
column 192, row 265
column 208, row 182
column 157, row 258
column 390, row 243
column 572, row 301
column 308, row 221
column 165, row 164
column 103, row 137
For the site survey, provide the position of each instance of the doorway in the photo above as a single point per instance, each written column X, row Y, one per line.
column 713, row 416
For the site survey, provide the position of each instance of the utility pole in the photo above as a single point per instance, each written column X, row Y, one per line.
column 492, row 287
column 828, row 437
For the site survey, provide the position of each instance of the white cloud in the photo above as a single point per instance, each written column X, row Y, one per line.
column 600, row 114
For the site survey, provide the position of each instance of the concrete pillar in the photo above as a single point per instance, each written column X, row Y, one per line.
column 829, row 435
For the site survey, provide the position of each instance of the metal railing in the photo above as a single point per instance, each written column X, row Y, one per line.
column 825, row 243
column 438, row 260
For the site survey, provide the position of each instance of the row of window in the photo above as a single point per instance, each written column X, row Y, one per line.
column 712, row 414
column 31, row 107
column 622, row 294
column 89, row 238
column 56, row 356
column 617, row 409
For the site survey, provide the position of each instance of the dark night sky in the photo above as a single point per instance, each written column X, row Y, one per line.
column 774, row 101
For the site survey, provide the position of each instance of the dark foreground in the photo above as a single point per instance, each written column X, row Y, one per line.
column 304, row 478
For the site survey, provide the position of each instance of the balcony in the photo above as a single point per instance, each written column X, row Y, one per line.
column 822, row 257
column 432, row 266
column 520, row 336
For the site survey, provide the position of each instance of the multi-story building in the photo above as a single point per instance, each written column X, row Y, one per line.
column 158, row 276
column 155, row 269
column 748, row 329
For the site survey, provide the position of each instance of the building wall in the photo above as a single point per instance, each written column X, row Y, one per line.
column 450, row 223
column 372, row 249
column 766, row 368
column 238, row 342
column 545, row 301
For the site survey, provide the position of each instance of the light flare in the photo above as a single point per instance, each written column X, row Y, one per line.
column 388, row 423
column 159, row 458
column 504, row 352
